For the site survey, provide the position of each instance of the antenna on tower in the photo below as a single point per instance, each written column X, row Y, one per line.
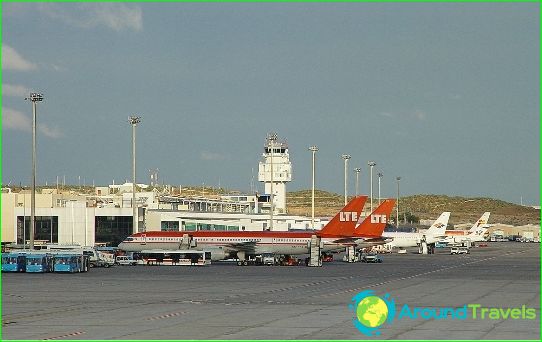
column 153, row 174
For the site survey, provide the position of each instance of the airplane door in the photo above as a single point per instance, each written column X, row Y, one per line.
column 143, row 239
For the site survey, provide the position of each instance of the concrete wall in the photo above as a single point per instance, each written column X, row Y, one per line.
column 153, row 220
column 8, row 217
column 75, row 223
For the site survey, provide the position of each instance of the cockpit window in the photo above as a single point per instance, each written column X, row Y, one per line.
column 129, row 239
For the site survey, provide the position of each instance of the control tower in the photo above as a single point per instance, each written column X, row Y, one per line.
column 275, row 170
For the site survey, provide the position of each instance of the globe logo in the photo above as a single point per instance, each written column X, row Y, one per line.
column 371, row 312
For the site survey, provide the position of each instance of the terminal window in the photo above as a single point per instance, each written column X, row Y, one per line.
column 46, row 229
column 112, row 230
column 169, row 226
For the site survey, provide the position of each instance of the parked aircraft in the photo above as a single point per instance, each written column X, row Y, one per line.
column 475, row 234
column 339, row 233
column 430, row 236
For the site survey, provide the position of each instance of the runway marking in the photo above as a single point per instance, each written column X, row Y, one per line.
column 77, row 333
column 13, row 295
column 169, row 315
column 357, row 289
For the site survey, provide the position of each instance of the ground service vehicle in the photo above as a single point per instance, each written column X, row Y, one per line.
column 14, row 262
column 373, row 258
column 327, row 258
column 459, row 250
column 39, row 263
column 97, row 259
column 173, row 258
column 268, row 259
column 123, row 260
column 71, row 263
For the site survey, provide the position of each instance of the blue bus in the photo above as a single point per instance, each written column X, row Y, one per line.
column 71, row 262
column 14, row 262
column 39, row 263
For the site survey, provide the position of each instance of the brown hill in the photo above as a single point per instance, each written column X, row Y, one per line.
column 464, row 209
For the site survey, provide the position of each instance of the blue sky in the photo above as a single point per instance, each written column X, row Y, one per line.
column 444, row 95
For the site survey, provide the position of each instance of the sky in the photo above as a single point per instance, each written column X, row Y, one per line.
column 446, row 96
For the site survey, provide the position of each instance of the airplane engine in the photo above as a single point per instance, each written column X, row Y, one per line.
column 218, row 254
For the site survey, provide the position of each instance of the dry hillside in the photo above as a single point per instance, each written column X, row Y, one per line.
column 463, row 209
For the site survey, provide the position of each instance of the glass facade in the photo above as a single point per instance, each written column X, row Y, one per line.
column 46, row 229
column 193, row 226
column 169, row 226
column 112, row 230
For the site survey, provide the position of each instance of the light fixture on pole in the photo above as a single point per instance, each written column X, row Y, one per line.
column 380, row 175
column 134, row 120
column 397, row 216
column 357, row 170
column 34, row 98
column 371, row 164
column 346, row 157
column 313, row 149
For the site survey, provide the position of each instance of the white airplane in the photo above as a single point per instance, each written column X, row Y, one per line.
column 430, row 236
column 475, row 234
column 339, row 233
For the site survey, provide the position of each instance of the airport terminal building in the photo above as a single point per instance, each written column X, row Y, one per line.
column 105, row 217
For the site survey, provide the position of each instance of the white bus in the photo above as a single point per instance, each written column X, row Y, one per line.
column 173, row 258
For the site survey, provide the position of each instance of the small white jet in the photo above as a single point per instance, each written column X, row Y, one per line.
column 475, row 234
column 430, row 236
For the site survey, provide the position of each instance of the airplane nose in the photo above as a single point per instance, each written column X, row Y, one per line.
column 122, row 245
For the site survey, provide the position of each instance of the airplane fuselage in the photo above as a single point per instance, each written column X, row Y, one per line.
column 403, row 240
column 230, row 242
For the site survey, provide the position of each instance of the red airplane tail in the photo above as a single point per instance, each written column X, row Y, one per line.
column 344, row 223
column 374, row 224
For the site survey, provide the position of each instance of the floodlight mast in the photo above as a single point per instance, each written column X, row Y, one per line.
column 346, row 157
column 34, row 98
column 313, row 149
column 134, row 120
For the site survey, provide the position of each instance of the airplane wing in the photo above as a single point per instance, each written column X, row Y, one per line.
column 248, row 247
column 345, row 241
column 354, row 240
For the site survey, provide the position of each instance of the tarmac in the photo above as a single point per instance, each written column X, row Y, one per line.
column 225, row 301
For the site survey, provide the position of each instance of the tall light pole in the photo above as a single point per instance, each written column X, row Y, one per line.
column 134, row 120
column 313, row 149
column 346, row 157
column 357, row 170
column 34, row 98
column 272, row 139
column 380, row 174
column 371, row 164
column 397, row 216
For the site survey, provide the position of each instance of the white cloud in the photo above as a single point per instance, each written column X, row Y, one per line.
column 386, row 114
column 14, row 90
column 205, row 155
column 116, row 16
column 12, row 60
column 420, row 115
column 51, row 132
column 14, row 120
column 58, row 67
